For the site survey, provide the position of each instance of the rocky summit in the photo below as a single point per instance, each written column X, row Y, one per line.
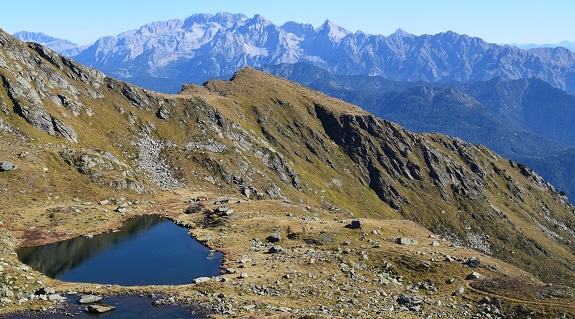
column 319, row 207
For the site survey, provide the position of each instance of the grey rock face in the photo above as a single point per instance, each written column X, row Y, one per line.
column 38, row 118
column 65, row 129
column 163, row 114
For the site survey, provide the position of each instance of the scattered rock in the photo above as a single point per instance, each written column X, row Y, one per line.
column 230, row 271
column 56, row 297
column 7, row 166
column 104, row 202
column 122, row 210
column 96, row 309
column 406, row 241
column 200, row 280
column 459, row 291
column 473, row 262
column 473, row 275
column 5, row 292
column 221, row 201
column 249, row 307
column 163, row 114
column 45, row 291
column 274, row 238
column 409, row 301
column 275, row 249
column 89, row 299
column 355, row 224
column 435, row 243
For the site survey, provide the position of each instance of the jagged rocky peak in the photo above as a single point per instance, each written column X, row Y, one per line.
column 300, row 30
column 400, row 33
column 332, row 30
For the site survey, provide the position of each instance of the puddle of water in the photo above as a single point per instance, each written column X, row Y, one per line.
column 148, row 250
column 129, row 307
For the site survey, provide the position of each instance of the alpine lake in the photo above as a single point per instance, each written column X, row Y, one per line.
column 147, row 250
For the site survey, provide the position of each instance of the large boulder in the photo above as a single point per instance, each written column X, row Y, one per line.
column 406, row 241
column 355, row 224
column 7, row 166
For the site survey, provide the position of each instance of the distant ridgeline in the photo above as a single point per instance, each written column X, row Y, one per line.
column 163, row 55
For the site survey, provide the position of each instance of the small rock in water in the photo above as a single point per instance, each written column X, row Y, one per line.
column 89, row 299
column 99, row 308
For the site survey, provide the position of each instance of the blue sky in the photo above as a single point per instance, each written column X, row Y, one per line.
column 502, row 21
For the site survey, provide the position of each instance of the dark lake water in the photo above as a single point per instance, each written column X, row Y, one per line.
column 148, row 250
column 130, row 307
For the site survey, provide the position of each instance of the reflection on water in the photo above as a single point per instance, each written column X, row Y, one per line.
column 148, row 250
column 130, row 307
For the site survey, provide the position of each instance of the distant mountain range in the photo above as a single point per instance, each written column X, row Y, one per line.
column 163, row 55
column 526, row 120
column 58, row 45
column 565, row 44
